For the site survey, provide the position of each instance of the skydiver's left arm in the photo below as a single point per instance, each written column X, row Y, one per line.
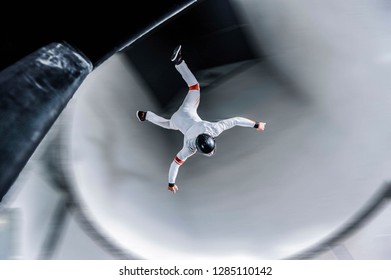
column 239, row 121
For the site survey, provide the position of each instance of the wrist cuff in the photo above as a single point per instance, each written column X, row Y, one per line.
column 256, row 125
column 171, row 184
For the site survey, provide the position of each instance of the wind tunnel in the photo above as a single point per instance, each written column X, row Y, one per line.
column 44, row 59
column 321, row 86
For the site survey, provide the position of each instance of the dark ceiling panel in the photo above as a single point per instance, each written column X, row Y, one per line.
column 97, row 32
column 211, row 33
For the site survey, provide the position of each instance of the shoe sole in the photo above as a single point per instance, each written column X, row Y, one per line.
column 176, row 52
column 138, row 117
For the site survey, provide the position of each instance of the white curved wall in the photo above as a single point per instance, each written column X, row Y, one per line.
column 266, row 195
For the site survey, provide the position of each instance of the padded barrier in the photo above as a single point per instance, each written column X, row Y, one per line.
column 33, row 92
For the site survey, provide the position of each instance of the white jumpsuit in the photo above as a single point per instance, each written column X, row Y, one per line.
column 186, row 120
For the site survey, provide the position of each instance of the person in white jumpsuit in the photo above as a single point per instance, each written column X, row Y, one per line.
column 199, row 135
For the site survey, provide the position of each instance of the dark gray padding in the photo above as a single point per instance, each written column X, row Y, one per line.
column 33, row 92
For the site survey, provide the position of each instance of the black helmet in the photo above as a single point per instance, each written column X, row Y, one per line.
column 206, row 144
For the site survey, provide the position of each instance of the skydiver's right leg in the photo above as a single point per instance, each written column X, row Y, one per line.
column 155, row 119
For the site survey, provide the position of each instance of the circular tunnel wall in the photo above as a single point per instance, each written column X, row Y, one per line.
column 264, row 195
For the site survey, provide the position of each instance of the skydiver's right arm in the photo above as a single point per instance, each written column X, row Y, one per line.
column 179, row 159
